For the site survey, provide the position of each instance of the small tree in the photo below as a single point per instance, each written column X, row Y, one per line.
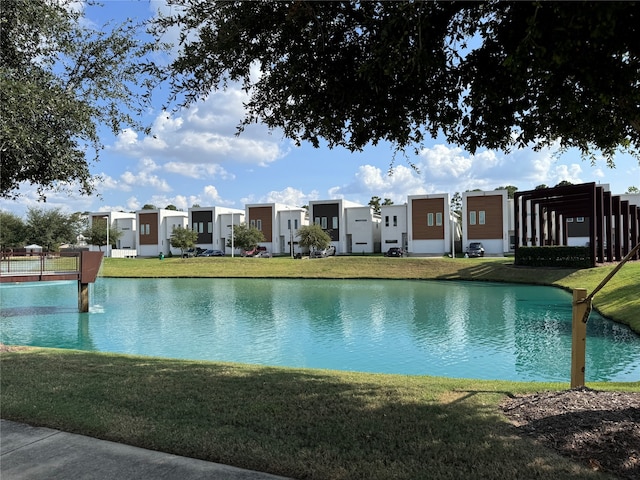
column 96, row 234
column 313, row 237
column 245, row 237
column 183, row 238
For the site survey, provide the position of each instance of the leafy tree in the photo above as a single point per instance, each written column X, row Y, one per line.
column 375, row 202
column 456, row 204
column 245, row 237
column 171, row 207
column 96, row 234
column 510, row 190
column 49, row 228
column 149, row 206
column 183, row 238
column 12, row 231
column 499, row 75
column 564, row 183
column 313, row 237
column 541, row 186
column 633, row 190
column 61, row 78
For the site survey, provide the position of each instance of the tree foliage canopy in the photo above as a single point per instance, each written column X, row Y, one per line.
column 245, row 237
column 60, row 79
column 96, row 234
column 313, row 237
column 485, row 74
column 183, row 238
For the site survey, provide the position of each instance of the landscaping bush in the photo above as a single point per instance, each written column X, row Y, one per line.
column 574, row 257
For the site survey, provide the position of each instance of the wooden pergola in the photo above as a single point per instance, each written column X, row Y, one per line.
column 540, row 219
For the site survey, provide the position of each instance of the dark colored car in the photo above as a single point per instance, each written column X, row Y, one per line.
column 212, row 253
column 475, row 249
column 394, row 252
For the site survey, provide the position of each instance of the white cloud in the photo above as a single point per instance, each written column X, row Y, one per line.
column 291, row 196
column 371, row 181
column 198, row 171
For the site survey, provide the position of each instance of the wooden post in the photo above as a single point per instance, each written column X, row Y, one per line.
column 578, row 336
column 83, row 297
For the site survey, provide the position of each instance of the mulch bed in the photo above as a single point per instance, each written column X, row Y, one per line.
column 599, row 429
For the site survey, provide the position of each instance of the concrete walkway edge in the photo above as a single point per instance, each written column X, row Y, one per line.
column 39, row 453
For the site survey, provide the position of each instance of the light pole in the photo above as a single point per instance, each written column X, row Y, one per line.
column 106, row 250
column 232, row 239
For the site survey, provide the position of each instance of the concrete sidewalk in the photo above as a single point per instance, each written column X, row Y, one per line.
column 36, row 453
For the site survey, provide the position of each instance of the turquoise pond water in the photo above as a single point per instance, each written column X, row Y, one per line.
column 453, row 329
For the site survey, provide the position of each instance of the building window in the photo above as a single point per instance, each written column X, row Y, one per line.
column 289, row 224
column 429, row 219
column 570, row 220
column 472, row 217
column 334, row 222
column 295, row 223
column 145, row 229
column 386, row 220
column 209, row 227
column 259, row 224
column 323, row 223
column 580, row 219
column 252, row 223
column 395, row 220
column 200, row 227
column 481, row 217
column 316, row 221
column 439, row 219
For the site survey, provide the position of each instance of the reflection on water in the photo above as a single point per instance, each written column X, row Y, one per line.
column 454, row 329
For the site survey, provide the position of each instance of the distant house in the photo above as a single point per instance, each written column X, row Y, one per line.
column 429, row 224
column 155, row 228
column 278, row 223
column 213, row 225
column 332, row 218
column 363, row 230
column 393, row 226
column 486, row 220
column 123, row 222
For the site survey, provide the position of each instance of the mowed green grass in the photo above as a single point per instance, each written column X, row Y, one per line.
column 618, row 300
column 311, row 424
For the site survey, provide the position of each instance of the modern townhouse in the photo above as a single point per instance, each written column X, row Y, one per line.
column 363, row 230
column 431, row 228
column 279, row 224
column 393, row 226
column 155, row 228
column 125, row 223
column 331, row 215
column 213, row 225
column 486, row 220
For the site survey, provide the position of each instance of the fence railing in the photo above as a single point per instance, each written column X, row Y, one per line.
column 39, row 263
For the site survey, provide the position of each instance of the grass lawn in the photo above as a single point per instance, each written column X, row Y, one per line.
column 312, row 424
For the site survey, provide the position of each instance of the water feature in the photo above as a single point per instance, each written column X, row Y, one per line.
column 453, row 329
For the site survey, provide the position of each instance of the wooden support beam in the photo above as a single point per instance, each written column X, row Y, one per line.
column 579, row 336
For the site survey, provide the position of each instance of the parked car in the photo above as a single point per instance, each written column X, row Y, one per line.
column 475, row 249
column 254, row 252
column 193, row 252
column 394, row 252
column 327, row 252
column 212, row 253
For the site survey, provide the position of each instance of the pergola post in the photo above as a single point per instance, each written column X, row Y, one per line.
column 578, row 336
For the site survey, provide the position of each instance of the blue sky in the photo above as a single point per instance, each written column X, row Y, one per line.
column 193, row 157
